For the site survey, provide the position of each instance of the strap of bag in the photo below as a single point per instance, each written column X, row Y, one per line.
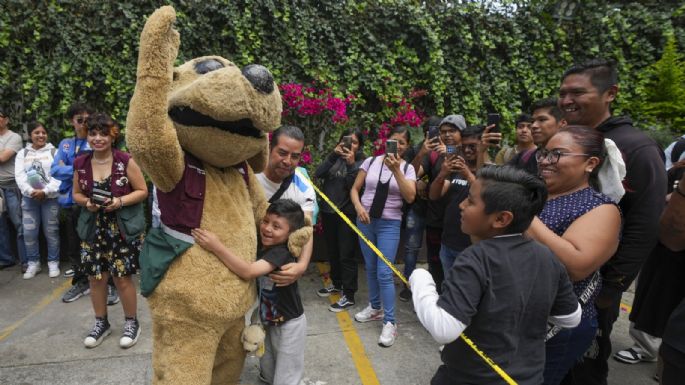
column 284, row 186
column 553, row 330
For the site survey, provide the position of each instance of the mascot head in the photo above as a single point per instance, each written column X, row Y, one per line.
column 222, row 113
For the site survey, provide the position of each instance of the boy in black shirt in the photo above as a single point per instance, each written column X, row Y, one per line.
column 280, row 307
column 500, row 291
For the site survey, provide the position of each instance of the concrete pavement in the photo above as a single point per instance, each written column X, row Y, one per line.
column 41, row 341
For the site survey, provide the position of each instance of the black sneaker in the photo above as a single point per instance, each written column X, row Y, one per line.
column 77, row 291
column 405, row 295
column 68, row 273
column 98, row 334
column 342, row 304
column 112, row 295
column 327, row 291
column 131, row 333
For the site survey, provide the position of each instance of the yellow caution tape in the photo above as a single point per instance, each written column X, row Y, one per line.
column 373, row 247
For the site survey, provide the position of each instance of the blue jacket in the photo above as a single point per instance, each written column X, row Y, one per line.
column 67, row 150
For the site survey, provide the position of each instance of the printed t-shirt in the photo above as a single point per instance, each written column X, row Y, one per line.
column 278, row 303
column 298, row 191
column 393, row 205
column 452, row 236
column 503, row 289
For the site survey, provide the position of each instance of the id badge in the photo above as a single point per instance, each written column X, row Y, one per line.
column 265, row 283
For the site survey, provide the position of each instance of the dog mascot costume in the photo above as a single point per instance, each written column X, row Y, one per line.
column 199, row 131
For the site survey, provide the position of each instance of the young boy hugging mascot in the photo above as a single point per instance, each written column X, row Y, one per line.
column 199, row 131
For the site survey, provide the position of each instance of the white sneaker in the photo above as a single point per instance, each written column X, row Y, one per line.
column 369, row 314
column 53, row 269
column 32, row 270
column 388, row 335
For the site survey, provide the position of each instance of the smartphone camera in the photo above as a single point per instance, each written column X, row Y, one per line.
column 347, row 142
column 453, row 152
column 391, row 146
column 433, row 132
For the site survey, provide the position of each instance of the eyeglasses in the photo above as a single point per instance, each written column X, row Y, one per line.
column 553, row 156
column 81, row 119
column 472, row 146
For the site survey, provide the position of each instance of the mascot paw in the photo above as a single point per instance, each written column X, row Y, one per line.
column 300, row 237
column 159, row 43
column 253, row 339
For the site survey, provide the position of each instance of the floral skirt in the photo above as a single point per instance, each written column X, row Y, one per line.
column 109, row 251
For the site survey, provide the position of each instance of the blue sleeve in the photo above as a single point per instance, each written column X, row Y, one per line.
column 63, row 172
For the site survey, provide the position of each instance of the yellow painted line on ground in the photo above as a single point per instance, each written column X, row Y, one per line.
column 366, row 373
column 56, row 293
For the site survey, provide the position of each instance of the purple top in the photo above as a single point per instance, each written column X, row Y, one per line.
column 393, row 206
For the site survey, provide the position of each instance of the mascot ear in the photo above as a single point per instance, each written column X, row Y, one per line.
column 259, row 161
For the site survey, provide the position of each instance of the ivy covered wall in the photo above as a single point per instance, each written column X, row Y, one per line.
column 470, row 56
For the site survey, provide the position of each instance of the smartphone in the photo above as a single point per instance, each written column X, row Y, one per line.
column 494, row 118
column 100, row 197
column 391, row 146
column 347, row 142
column 433, row 132
column 452, row 152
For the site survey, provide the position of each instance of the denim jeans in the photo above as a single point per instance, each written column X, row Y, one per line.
column 447, row 257
column 385, row 234
column 416, row 223
column 37, row 214
column 13, row 205
column 567, row 347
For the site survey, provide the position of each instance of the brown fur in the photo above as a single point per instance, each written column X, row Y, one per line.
column 198, row 308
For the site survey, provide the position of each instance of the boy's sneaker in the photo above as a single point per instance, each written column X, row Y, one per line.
column 342, row 304
column 98, row 334
column 77, row 291
column 632, row 356
column 32, row 269
column 388, row 335
column 68, row 273
column 112, row 295
column 131, row 333
column 405, row 295
column 327, row 291
column 53, row 269
column 369, row 314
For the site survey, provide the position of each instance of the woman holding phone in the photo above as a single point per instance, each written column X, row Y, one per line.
column 388, row 182
column 111, row 187
column 337, row 174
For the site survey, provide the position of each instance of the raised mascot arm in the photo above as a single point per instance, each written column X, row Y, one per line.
column 150, row 133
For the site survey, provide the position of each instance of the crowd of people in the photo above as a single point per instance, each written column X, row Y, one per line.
column 529, row 247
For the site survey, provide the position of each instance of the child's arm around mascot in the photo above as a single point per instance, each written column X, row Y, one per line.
column 199, row 132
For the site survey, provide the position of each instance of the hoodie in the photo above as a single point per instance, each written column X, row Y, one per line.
column 641, row 206
column 32, row 171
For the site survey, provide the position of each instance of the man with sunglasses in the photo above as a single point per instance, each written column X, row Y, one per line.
column 585, row 96
column 10, row 144
column 63, row 169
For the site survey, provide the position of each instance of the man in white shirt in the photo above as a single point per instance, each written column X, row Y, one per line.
column 280, row 181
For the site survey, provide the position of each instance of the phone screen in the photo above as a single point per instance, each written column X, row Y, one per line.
column 433, row 132
column 391, row 147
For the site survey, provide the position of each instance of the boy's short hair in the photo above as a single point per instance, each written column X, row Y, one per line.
column 475, row 131
column 523, row 117
column 505, row 188
column 78, row 108
column 288, row 209
column 550, row 104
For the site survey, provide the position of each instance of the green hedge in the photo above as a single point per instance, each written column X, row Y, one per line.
column 473, row 57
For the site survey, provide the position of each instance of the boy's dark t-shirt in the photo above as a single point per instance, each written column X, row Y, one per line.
column 278, row 303
column 503, row 289
column 452, row 236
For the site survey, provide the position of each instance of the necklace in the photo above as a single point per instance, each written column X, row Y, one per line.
column 102, row 161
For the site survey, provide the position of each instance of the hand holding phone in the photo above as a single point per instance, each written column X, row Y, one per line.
column 391, row 147
column 347, row 142
column 494, row 120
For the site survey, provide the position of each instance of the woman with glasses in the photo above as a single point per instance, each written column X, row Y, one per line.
column 581, row 226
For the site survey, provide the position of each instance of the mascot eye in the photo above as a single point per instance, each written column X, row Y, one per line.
column 208, row 66
column 259, row 77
